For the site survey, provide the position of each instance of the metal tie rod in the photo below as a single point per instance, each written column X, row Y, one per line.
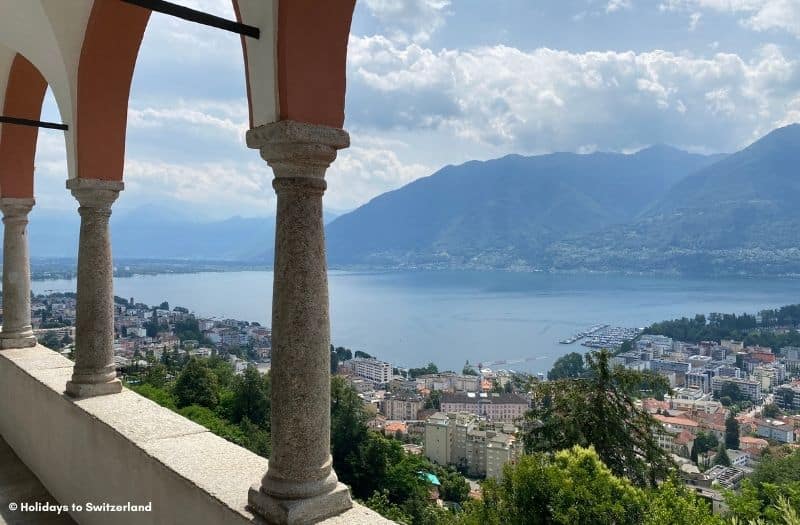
column 193, row 15
column 33, row 123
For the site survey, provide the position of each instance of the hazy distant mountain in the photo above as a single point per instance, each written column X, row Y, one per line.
column 660, row 209
column 740, row 214
column 508, row 210
column 159, row 232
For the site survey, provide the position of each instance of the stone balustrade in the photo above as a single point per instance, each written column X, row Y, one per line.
column 124, row 448
column 88, row 439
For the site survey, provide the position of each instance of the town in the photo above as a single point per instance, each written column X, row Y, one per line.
column 728, row 403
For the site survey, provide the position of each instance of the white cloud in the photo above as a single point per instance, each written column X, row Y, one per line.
column 544, row 100
column 792, row 112
column 759, row 15
column 192, row 43
column 228, row 118
column 409, row 20
column 220, row 188
column 617, row 5
column 368, row 168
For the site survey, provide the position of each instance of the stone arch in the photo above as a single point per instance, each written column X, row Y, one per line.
column 23, row 98
column 87, row 51
column 108, row 56
column 299, row 73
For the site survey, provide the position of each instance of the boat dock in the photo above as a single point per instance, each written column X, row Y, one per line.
column 586, row 333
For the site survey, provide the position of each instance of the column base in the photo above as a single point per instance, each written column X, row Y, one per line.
column 13, row 341
column 295, row 511
column 93, row 389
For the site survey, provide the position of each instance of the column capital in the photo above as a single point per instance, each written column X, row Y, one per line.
column 95, row 193
column 297, row 149
column 16, row 208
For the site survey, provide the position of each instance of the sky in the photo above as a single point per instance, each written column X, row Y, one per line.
column 438, row 82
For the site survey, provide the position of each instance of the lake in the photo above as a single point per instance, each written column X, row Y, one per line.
column 411, row 318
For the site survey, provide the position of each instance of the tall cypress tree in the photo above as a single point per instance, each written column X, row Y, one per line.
column 731, row 432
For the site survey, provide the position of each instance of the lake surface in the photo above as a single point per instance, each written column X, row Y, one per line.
column 411, row 318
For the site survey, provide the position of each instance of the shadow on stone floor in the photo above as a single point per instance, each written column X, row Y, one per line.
column 18, row 485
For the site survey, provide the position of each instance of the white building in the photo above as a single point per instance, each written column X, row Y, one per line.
column 776, row 430
column 494, row 407
column 372, row 369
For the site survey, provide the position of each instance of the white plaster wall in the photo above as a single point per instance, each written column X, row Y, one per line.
column 68, row 19
column 262, row 58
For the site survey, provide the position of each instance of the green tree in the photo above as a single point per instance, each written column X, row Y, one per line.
column 219, row 426
column 434, row 400
column 703, row 443
column 379, row 502
column 771, row 410
column 777, row 477
column 256, row 438
column 454, row 487
column 156, row 375
column 196, row 385
column 722, row 457
column 430, row 368
column 732, row 391
column 566, row 367
column 469, row 370
column 673, row 504
column 160, row 395
column 731, row 432
column 223, row 370
column 572, row 486
column 251, row 398
column 50, row 340
column 371, row 462
column 348, row 429
column 599, row 410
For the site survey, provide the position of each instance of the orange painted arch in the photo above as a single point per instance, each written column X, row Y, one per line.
column 110, row 47
column 24, row 97
column 311, row 70
column 312, row 60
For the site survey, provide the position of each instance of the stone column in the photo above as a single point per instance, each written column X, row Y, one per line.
column 94, row 373
column 300, row 485
column 17, row 330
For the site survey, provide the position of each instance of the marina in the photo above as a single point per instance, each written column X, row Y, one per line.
column 611, row 337
column 586, row 333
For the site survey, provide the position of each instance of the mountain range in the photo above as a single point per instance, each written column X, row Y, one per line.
column 657, row 210
column 660, row 209
column 160, row 232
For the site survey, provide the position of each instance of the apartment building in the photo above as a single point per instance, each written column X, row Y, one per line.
column 776, row 430
column 749, row 389
column 501, row 450
column 787, row 397
column 456, row 439
column 492, row 406
column 402, row 407
column 372, row 369
column 438, row 438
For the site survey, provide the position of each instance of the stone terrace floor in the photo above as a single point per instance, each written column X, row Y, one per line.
column 18, row 484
